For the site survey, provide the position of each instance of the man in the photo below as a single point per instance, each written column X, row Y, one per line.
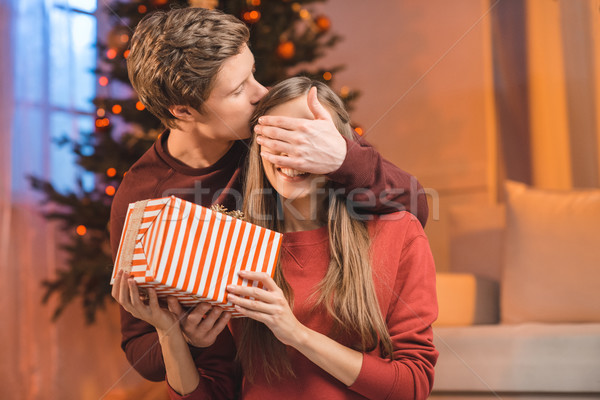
column 192, row 68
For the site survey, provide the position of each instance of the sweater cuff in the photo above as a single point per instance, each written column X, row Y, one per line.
column 351, row 174
column 173, row 395
column 377, row 378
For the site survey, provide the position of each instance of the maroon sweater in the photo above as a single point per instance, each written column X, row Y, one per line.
column 157, row 174
column 404, row 277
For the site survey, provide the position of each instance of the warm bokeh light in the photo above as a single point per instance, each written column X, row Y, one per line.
column 111, row 53
column 110, row 190
column 142, row 9
column 344, row 91
column 111, row 172
column 124, row 38
column 252, row 16
column 286, row 50
column 102, row 122
column 327, row 76
column 304, row 14
column 103, row 81
column 323, row 23
column 81, row 230
column 126, row 54
column 256, row 3
column 139, row 106
column 296, row 7
column 101, row 112
column 116, row 109
column 359, row 130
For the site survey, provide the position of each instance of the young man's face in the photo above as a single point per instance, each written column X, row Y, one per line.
column 227, row 110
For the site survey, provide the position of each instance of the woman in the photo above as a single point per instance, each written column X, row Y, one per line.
column 349, row 312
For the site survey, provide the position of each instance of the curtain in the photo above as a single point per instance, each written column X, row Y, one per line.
column 39, row 95
column 546, row 68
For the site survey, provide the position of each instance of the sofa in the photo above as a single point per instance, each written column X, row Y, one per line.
column 520, row 308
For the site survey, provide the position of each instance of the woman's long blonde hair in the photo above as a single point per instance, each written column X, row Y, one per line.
column 347, row 291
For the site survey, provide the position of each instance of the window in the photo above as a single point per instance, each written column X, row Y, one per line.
column 55, row 83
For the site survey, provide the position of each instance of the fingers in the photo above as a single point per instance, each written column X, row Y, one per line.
column 175, row 307
column 221, row 324
column 124, row 296
column 255, row 315
column 275, row 145
column 117, row 286
column 254, row 292
column 288, row 123
column 315, row 106
column 196, row 315
column 284, row 161
column 268, row 282
column 153, row 298
column 254, row 305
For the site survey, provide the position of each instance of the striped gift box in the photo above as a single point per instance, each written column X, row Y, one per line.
column 188, row 251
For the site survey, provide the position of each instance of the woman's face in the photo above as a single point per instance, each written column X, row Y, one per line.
column 289, row 183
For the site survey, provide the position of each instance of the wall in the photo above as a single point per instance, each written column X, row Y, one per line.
column 425, row 73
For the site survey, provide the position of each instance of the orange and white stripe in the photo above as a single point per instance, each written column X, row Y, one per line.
column 190, row 252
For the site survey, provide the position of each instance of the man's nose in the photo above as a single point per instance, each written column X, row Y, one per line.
column 260, row 92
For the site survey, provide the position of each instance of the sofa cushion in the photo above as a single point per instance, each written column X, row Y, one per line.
column 538, row 358
column 476, row 239
column 552, row 256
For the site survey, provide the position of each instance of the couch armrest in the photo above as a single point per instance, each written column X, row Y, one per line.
column 465, row 299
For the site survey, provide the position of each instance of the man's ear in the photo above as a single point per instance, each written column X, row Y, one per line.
column 183, row 113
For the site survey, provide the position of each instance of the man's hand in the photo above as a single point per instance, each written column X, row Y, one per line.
column 202, row 324
column 313, row 146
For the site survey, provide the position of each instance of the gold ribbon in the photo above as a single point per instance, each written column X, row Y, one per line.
column 135, row 220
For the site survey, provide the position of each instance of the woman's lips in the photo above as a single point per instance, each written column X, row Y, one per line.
column 291, row 175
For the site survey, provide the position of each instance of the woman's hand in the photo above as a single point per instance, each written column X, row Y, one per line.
column 126, row 292
column 269, row 307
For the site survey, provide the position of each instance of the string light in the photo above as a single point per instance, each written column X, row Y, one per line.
column 101, row 112
column 286, row 50
column 255, row 3
column 81, row 230
column 142, row 9
column 344, row 91
column 124, row 38
column 304, row 14
column 139, row 106
column 327, row 76
column 251, row 16
column 323, row 23
column 126, row 54
column 359, row 130
column 102, row 122
column 111, row 172
column 110, row 190
column 103, row 81
column 296, row 7
column 116, row 109
column 111, row 53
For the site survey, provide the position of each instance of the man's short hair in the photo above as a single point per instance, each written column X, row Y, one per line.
column 175, row 57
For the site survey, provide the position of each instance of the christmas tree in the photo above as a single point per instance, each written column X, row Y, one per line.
column 285, row 36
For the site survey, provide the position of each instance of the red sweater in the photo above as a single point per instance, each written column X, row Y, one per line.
column 404, row 276
column 157, row 174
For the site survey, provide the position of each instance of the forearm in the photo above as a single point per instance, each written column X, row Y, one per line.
column 182, row 373
column 339, row 361
column 380, row 187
